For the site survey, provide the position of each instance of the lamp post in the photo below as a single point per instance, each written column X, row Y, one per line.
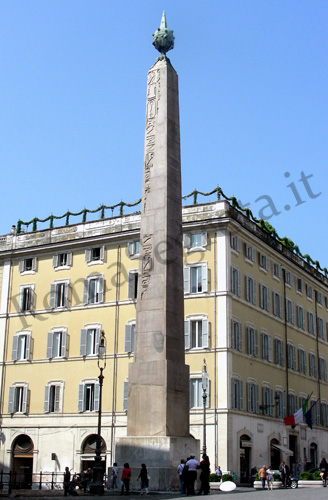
column 205, row 392
column 97, row 485
column 266, row 407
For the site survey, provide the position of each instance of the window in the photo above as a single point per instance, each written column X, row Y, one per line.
column 299, row 285
column 319, row 298
column 322, row 369
column 18, row 396
column 95, row 255
column 276, row 304
column 276, row 271
column 63, row 260
column 195, row 278
column 59, row 294
column 57, row 344
column 21, row 346
column 321, row 333
column 234, row 242
column 280, row 407
column 309, row 291
column 125, row 394
column 93, row 290
column 133, row 285
column 314, row 413
column 312, row 365
column 89, row 341
column 236, row 335
column 300, row 317
column 289, row 311
column 301, row 361
column 252, row 397
column 292, row 403
column 237, row 394
column 250, row 289
column 264, row 297
column 310, row 322
column 129, row 335
column 267, row 401
column 88, row 397
column 324, row 414
column 288, row 278
column 264, row 261
column 250, row 252
column 28, row 265
column 196, row 333
column 26, row 298
column 291, row 357
column 252, row 341
column 235, row 281
column 266, row 346
column 326, row 302
column 195, row 241
column 52, row 398
column 196, row 393
column 278, row 352
column 133, row 249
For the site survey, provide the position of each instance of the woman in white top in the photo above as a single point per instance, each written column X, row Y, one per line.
column 269, row 478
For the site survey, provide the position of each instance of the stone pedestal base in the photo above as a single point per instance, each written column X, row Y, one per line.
column 161, row 455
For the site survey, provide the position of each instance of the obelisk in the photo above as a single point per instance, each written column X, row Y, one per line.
column 158, row 396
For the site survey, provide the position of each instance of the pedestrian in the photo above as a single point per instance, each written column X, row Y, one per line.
column 263, row 476
column 284, row 471
column 83, row 480
column 143, row 476
column 71, row 487
column 181, row 466
column 192, row 465
column 204, row 475
column 269, row 478
column 218, row 472
column 125, row 479
column 324, row 469
column 88, row 477
column 67, row 478
column 113, row 479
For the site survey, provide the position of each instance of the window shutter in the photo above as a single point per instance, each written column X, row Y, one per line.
column 128, row 338
column 125, row 395
column 25, row 396
column 239, row 283
column 85, row 291
column 102, row 253
column 131, row 248
column 267, row 263
column 261, row 295
column 66, row 295
column 131, row 285
column 28, row 346
column 254, row 291
column 246, row 289
column 83, row 342
column 55, row 260
column 96, row 397
column 69, row 258
column 46, row 399
column 21, row 269
column 57, row 398
column 49, row 344
column 97, row 339
column 294, row 358
column 233, row 393
column 249, row 397
column 270, row 349
column 241, row 395
column 101, row 289
column 256, row 343
column 248, row 339
column 240, row 339
column 88, row 255
column 253, row 254
column 187, row 333
column 52, row 301
column 293, row 313
column 271, row 402
column 64, row 345
column 34, row 264
column 263, row 396
column 14, row 349
column 31, row 298
column 187, row 240
column 186, row 279
column 204, row 239
column 204, row 277
column 80, row 406
column 257, row 410
column 205, row 332
column 231, row 239
column 263, row 350
column 11, row 399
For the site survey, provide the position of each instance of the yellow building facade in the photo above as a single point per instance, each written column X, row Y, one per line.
column 256, row 312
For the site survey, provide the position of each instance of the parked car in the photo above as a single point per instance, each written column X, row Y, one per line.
column 292, row 481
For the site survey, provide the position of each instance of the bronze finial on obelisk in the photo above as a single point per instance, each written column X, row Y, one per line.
column 158, row 393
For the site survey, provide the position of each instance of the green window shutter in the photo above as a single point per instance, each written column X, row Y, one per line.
column 52, row 301
column 187, row 334
column 241, row 395
column 96, row 397
column 25, row 400
column 204, row 239
column 83, row 342
column 270, row 349
column 55, row 260
column 131, row 248
column 57, row 398
column 131, row 285
column 11, row 399
column 102, row 253
column 21, row 269
column 50, row 345
column 66, row 294
column 88, row 255
column 125, row 395
column 256, row 343
column 14, row 349
column 97, row 339
column 205, row 332
column 101, row 289
column 128, row 338
column 204, row 277
column 85, row 291
column 46, row 399
column 257, row 409
column 186, row 279
column 28, row 346
column 187, row 240
column 80, row 406
column 34, row 264
column 69, row 258
column 64, row 345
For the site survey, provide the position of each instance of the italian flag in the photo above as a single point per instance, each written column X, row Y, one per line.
column 298, row 416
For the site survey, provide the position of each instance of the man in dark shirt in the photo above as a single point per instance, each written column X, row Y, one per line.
column 67, row 478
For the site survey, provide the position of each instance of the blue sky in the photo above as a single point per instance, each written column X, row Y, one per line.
column 253, row 105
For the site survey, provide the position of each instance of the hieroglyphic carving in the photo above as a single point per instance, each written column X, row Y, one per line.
column 147, row 262
column 153, row 95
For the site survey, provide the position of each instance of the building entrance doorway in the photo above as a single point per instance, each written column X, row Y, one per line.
column 274, row 455
column 245, row 448
column 89, row 453
column 22, row 451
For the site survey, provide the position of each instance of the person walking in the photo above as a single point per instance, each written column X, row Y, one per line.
column 125, row 479
column 181, row 466
column 218, row 472
column 192, row 465
column 263, row 476
column 324, row 469
column 143, row 476
column 67, row 478
column 204, row 475
column 113, row 479
column 284, row 471
column 270, row 478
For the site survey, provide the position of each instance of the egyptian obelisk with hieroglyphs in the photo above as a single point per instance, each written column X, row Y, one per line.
column 158, row 397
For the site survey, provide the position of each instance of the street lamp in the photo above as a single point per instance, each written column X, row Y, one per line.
column 97, row 485
column 266, row 407
column 205, row 393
